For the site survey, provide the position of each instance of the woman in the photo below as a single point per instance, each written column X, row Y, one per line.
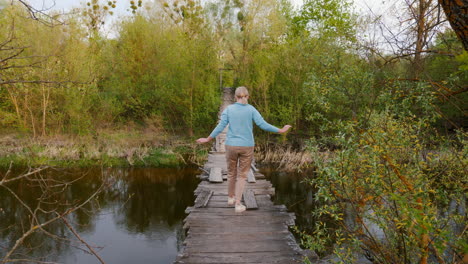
column 240, row 142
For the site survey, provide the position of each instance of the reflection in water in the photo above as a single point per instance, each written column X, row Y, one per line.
column 136, row 219
column 292, row 190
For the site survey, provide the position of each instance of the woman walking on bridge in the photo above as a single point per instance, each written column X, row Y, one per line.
column 240, row 142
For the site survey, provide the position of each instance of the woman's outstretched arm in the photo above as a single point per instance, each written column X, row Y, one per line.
column 218, row 129
column 258, row 119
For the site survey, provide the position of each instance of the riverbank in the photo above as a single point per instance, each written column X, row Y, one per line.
column 128, row 148
column 107, row 148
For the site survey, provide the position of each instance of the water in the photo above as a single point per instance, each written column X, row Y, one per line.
column 137, row 218
column 293, row 190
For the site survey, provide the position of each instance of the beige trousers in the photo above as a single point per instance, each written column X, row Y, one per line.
column 237, row 175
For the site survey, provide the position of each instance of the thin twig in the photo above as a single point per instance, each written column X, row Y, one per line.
column 81, row 240
column 4, row 180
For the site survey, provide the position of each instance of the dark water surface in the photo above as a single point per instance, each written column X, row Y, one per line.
column 137, row 218
column 293, row 190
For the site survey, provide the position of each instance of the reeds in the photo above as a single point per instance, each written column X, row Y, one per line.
column 121, row 148
column 285, row 157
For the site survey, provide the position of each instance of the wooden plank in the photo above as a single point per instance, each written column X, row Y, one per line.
column 261, row 199
column 287, row 236
column 247, row 186
column 224, row 187
column 252, row 166
column 281, row 224
column 237, row 246
column 256, row 191
column 249, row 200
column 243, row 257
column 229, row 212
column 253, row 222
column 259, row 223
column 226, row 241
column 203, row 198
column 215, row 175
column 262, row 183
column 267, row 216
column 251, row 176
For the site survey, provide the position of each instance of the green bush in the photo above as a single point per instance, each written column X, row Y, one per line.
column 382, row 192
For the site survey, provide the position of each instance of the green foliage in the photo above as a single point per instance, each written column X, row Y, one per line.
column 86, row 82
column 151, row 76
column 381, row 191
column 326, row 18
column 341, row 89
column 161, row 157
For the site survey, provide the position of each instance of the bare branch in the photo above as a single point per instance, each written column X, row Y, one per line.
column 5, row 180
column 81, row 240
column 36, row 13
column 35, row 224
column 29, row 260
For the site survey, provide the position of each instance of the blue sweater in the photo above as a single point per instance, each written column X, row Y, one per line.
column 240, row 132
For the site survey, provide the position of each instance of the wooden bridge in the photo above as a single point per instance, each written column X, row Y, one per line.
column 216, row 234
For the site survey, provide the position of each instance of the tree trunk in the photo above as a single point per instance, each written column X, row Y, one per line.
column 14, row 100
column 45, row 104
column 457, row 15
column 420, row 36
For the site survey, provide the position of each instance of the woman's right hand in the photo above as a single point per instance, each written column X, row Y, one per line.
column 284, row 129
column 203, row 140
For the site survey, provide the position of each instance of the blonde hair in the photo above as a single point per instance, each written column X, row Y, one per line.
column 242, row 93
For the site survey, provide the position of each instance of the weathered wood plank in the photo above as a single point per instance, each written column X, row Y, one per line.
column 247, row 229
column 249, row 199
column 244, row 257
column 228, row 211
column 221, row 186
column 209, row 219
column 215, row 175
column 256, row 191
column 252, row 166
column 251, row 176
column 276, row 224
column 225, row 186
column 260, row 213
column 286, row 236
column 258, row 183
column 203, row 198
column 223, row 191
column 265, row 199
column 237, row 246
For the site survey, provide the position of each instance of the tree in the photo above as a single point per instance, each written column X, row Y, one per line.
column 458, row 18
column 414, row 30
column 327, row 18
column 38, row 77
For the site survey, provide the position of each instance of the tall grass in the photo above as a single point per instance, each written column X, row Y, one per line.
column 107, row 148
column 286, row 158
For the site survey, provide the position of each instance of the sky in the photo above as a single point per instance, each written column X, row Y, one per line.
column 123, row 5
column 378, row 7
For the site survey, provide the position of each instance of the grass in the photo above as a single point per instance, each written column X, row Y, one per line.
column 107, row 148
column 286, row 158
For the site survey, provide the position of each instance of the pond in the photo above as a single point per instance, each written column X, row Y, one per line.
column 136, row 218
